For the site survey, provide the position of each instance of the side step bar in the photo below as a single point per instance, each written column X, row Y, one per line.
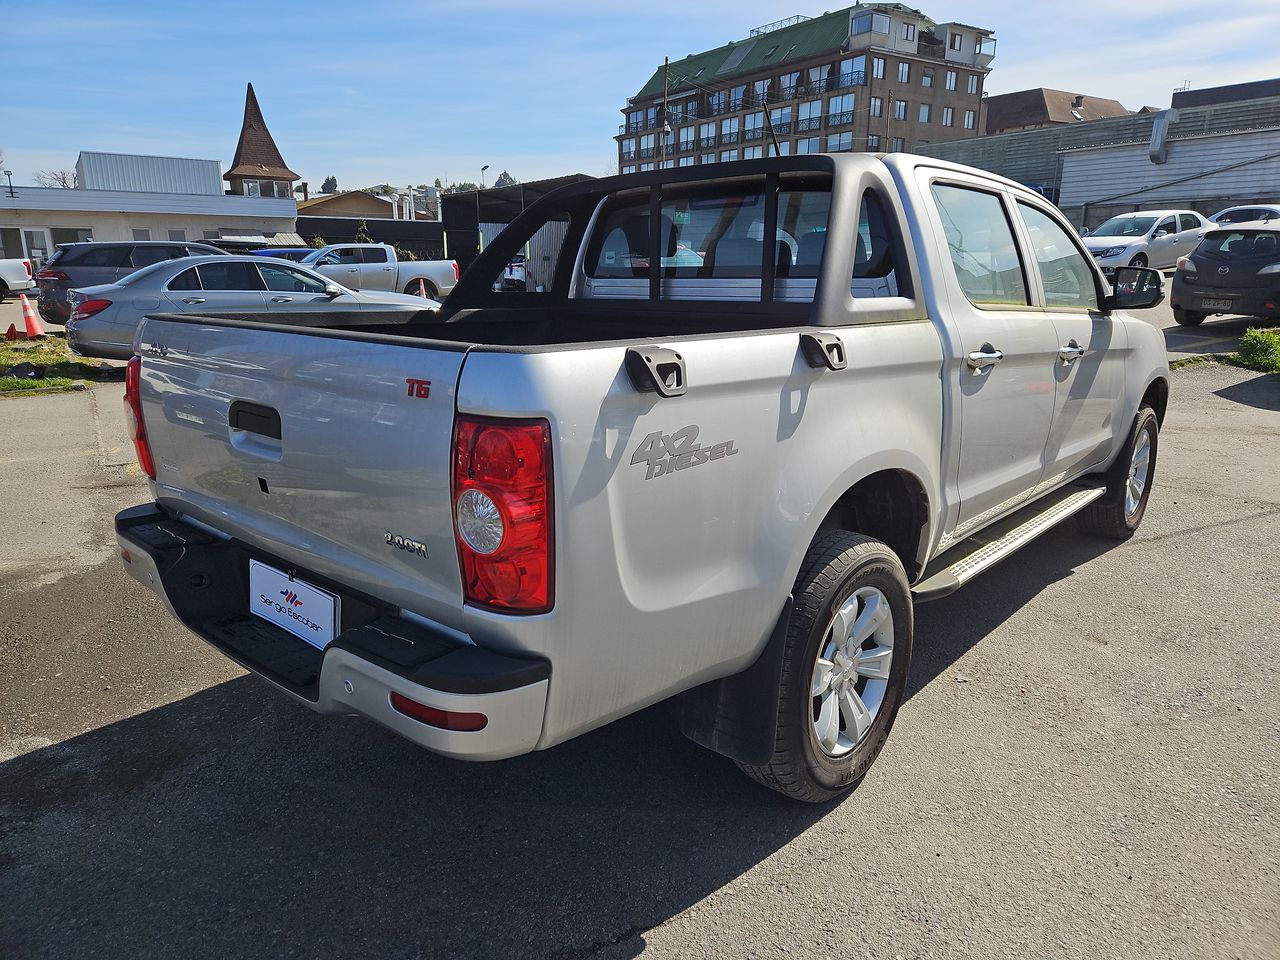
column 970, row 557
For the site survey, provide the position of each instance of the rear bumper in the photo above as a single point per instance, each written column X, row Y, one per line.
column 203, row 580
column 53, row 311
column 1246, row 301
column 21, row 286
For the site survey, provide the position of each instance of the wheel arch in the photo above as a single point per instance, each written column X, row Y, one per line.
column 891, row 505
column 1156, row 396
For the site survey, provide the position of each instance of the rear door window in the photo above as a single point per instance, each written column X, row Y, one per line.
column 1188, row 222
column 875, row 259
column 144, row 256
column 95, row 255
column 232, row 275
column 980, row 242
column 374, row 254
column 186, row 280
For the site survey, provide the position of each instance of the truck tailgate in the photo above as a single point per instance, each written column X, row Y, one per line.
column 327, row 451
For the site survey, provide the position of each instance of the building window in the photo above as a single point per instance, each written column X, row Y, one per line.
column 753, row 124
column 925, row 112
column 839, row 141
column 686, row 138
column 707, row 134
column 870, row 23
column 647, row 146
column 873, row 141
column 629, row 148
column 788, row 83
column 853, row 71
column 969, row 118
column 926, row 78
column 948, row 117
column 736, row 96
column 971, row 83
column 899, row 109
column 178, row 236
column 760, row 92
column 715, row 103
column 840, row 109
column 646, row 166
column 908, row 31
column 809, row 145
column 783, row 149
column 877, row 68
column 667, row 164
column 727, row 155
column 904, row 72
column 951, row 79
column 957, row 41
column 708, row 158
column 686, row 161
column 877, row 107
column 781, row 119
column 729, row 130
column 140, row 233
column 752, row 153
column 898, row 146
column 810, row 116
column 635, row 121
column 629, row 168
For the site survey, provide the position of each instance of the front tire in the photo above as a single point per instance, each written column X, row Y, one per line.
column 1139, row 260
column 844, row 669
column 1117, row 513
column 1187, row 318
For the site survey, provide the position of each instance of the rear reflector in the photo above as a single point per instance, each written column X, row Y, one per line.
column 27, row 264
column 457, row 275
column 133, row 416
column 51, row 275
column 444, row 719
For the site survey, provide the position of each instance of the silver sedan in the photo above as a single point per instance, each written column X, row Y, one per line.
column 105, row 318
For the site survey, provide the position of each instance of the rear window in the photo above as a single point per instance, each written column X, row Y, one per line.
column 144, row 256
column 373, row 254
column 96, row 255
column 229, row 275
column 1241, row 245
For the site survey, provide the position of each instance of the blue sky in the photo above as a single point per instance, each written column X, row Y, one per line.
column 401, row 92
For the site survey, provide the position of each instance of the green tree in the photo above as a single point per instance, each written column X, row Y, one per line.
column 362, row 232
column 317, row 242
column 505, row 180
column 438, row 183
column 330, row 184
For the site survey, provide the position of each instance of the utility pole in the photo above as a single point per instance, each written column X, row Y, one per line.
column 666, row 117
column 773, row 134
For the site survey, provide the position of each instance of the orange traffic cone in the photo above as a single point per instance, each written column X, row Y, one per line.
column 13, row 334
column 30, row 319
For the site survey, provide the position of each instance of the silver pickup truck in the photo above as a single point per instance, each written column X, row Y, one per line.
column 756, row 411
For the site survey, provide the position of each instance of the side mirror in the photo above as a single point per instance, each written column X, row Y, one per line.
column 332, row 290
column 1135, row 288
column 1161, row 233
column 1084, row 231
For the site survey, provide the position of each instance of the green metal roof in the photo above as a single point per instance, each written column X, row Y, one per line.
column 713, row 67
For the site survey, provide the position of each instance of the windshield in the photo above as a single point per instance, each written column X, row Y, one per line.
column 144, row 273
column 1125, row 227
column 311, row 257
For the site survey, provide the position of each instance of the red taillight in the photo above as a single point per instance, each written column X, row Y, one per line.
column 89, row 308
column 133, row 416
column 51, row 274
column 27, row 264
column 457, row 274
column 502, row 513
column 444, row 719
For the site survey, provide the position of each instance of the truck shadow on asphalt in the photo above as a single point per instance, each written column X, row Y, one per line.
column 1263, row 392
column 233, row 823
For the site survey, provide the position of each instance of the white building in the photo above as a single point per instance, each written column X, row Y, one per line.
column 127, row 197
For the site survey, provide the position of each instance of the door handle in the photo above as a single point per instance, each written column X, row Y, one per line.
column 353, row 269
column 1070, row 353
column 387, row 269
column 193, row 299
column 988, row 356
column 282, row 299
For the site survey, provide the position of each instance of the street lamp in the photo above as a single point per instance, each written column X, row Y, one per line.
column 482, row 170
column 9, row 176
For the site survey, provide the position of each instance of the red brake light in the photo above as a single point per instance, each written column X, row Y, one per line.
column 432, row 717
column 457, row 275
column 89, row 308
column 51, row 274
column 133, row 416
column 27, row 264
column 502, row 515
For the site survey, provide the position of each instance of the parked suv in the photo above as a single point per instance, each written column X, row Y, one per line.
column 89, row 264
column 1148, row 238
column 1233, row 270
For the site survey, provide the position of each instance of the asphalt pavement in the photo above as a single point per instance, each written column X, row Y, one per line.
column 1086, row 766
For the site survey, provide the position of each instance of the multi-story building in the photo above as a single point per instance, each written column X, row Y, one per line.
column 876, row 77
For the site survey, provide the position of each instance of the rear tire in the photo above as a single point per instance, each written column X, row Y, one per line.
column 414, row 289
column 1117, row 513
column 4, row 291
column 1139, row 260
column 851, row 626
column 1187, row 318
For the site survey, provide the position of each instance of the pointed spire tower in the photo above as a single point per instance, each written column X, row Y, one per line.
column 258, row 170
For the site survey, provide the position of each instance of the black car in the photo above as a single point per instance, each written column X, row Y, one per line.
column 1233, row 270
column 88, row 264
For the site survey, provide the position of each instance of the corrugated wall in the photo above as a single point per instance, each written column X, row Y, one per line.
column 123, row 171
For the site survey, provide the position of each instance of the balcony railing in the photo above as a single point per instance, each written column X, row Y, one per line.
column 840, row 119
column 648, row 153
column 729, row 138
column 685, row 146
column 810, row 123
column 708, row 142
column 754, row 133
column 783, row 126
column 736, row 103
column 628, row 155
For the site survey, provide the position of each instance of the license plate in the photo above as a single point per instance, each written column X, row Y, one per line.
column 305, row 611
column 1210, row 304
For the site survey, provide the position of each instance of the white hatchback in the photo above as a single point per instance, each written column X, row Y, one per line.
column 1146, row 238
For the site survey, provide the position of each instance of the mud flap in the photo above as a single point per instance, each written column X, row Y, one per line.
column 737, row 716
